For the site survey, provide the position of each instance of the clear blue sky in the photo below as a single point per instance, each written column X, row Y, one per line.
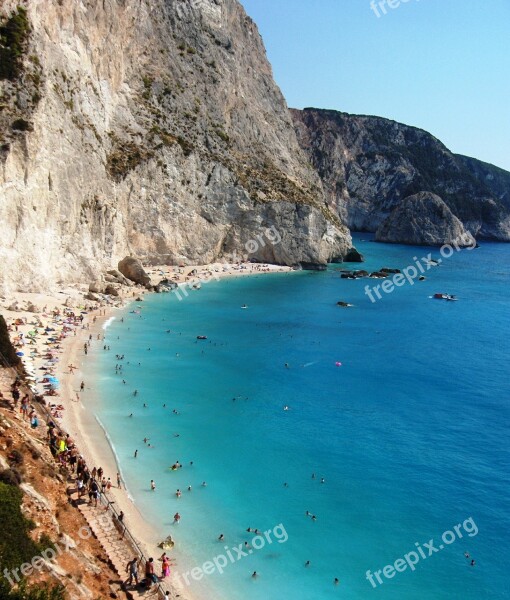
column 442, row 65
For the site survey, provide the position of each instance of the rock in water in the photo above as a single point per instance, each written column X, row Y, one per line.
column 133, row 270
column 423, row 219
column 353, row 256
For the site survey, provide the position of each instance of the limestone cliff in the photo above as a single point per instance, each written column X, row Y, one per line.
column 146, row 127
column 423, row 219
column 368, row 165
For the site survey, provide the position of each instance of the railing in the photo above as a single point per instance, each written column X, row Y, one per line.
column 103, row 497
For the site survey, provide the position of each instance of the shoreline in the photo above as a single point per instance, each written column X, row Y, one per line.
column 78, row 418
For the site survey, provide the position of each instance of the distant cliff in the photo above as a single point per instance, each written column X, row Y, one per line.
column 369, row 165
column 147, row 127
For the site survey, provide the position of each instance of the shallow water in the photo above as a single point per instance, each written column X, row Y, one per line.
column 410, row 432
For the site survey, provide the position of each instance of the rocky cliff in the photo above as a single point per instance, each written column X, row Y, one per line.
column 423, row 219
column 368, row 165
column 150, row 127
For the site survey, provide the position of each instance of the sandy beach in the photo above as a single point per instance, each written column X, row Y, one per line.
column 75, row 417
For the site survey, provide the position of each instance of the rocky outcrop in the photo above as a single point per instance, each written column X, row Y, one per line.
column 152, row 128
column 423, row 219
column 133, row 270
column 368, row 165
column 353, row 256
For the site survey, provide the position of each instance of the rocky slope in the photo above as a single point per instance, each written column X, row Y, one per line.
column 368, row 165
column 150, row 127
column 423, row 219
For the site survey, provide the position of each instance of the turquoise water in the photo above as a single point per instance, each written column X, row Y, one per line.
column 410, row 433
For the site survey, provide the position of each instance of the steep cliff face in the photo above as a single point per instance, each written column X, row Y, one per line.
column 368, row 165
column 423, row 219
column 151, row 127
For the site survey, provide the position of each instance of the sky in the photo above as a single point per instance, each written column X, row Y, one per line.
column 442, row 65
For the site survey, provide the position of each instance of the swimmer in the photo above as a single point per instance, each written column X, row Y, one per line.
column 313, row 475
column 285, row 485
column 473, row 563
column 323, row 480
column 153, row 485
column 249, row 530
column 286, row 365
column 178, row 493
column 254, row 574
column 246, row 545
column 336, row 581
column 177, row 517
column 285, row 408
column 136, row 453
column 307, row 563
column 131, row 415
column 135, row 393
column 221, row 538
column 466, row 554
column 204, row 484
column 189, row 488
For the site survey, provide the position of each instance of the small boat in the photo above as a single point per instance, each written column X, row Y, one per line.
column 448, row 297
column 201, row 337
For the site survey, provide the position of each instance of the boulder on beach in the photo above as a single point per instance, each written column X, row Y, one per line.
column 96, row 287
column 116, row 276
column 132, row 268
column 111, row 290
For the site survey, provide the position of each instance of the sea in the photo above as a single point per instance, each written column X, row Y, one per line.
column 368, row 445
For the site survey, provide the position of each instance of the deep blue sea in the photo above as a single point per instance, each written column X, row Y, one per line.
column 410, row 433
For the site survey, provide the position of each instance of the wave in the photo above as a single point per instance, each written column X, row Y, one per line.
column 108, row 322
column 115, row 455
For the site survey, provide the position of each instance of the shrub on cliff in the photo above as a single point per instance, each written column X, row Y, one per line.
column 16, row 545
column 10, row 477
column 8, row 356
column 14, row 33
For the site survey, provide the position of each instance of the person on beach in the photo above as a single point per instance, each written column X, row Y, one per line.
column 165, row 567
column 132, row 570
column 150, row 576
column 82, row 386
column 94, row 493
column 119, row 481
